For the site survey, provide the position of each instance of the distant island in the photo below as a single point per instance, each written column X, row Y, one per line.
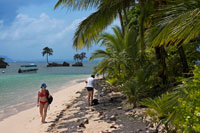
column 6, row 59
column 49, row 51
column 79, row 59
column 54, row 64
column 3, row 64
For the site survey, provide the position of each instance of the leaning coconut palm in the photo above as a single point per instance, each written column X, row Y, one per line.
column 92, row 26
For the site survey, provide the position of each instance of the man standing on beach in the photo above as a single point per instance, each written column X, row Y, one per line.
column 90, row 87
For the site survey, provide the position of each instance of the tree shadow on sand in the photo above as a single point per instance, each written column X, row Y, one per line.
column 74, row 117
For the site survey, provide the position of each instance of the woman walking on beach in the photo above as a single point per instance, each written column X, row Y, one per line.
column 42, row 101
column 90, row 87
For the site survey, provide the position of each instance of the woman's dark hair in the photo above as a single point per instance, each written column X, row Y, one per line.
column 93, row 76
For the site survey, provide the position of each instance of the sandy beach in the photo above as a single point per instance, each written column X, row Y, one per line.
column 69, row 113
column 29, row 120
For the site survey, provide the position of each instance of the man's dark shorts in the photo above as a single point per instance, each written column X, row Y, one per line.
column 90, row 88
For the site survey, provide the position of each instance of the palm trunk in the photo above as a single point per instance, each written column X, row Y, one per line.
column 160, row 54
column 126, row 17
column 141, row 27
column 183, row 60
column 133, row 1
column 121, row 21
column 47, row 59
column 119, row 69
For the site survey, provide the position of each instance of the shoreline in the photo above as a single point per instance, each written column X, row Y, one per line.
column 19, row 107
column 29, row 119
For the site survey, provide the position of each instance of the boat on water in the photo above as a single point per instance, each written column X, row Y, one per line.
column 29, row 65
column 28, row 68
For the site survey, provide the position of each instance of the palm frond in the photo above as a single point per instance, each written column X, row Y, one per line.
column 90, row 28
column 78, row 4
column 179, row 23
column 130, row 42
column 99, row 54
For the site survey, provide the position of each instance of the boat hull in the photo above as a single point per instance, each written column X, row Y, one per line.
column 27, row 70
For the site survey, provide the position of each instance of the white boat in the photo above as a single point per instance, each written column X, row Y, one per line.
column 28, row 68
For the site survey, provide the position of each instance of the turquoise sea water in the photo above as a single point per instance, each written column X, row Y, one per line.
column 19, row 91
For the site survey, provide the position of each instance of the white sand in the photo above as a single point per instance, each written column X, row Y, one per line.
column 28, row 121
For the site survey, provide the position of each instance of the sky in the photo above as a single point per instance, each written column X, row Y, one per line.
column 27, row 26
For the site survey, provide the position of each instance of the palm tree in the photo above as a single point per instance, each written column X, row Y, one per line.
column 176, row 25
column 76, row 57
column 47, row 51
column 119, row 51
column 82, row 56
column 90, row 28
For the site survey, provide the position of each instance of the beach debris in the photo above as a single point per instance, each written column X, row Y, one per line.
column 78, row 92
column 139, row 130
column 113, row 126
column 82, row 125
column 113, row 118
column 100, row 114
column 151, row 125
column 78, row 120
column 105, row 131
column 68, row 106
column 86, row 121
column 80, row 131
column 103, row 117
column 119, row 108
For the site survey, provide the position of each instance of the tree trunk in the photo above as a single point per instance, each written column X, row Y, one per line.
column 119, row 69
column 141, row 27
column 183, row 60
column 126, row 17
column 47, row 59
column 121, row 21
column 161, row 54
column 133, row 1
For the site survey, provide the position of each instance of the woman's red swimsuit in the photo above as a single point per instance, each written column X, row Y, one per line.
column 43, row 95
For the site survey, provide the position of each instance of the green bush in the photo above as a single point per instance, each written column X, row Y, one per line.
column 189, row 106
column 179, row 109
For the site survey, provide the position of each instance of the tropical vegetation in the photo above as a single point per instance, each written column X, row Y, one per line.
column 152, row 57
column 3, row 64
column 79, row 57
column 47, row 51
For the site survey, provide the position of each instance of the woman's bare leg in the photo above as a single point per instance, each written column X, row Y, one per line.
column 92, row 92
column 45, row 111
column 41, row 110
column 89, row 98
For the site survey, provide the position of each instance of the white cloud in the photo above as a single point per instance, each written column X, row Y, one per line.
column 26, row 33
column 42, row 28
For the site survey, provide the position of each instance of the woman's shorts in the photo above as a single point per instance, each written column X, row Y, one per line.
column 90, row 88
